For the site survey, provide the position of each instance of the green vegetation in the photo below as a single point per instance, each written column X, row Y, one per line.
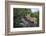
column 19, row 12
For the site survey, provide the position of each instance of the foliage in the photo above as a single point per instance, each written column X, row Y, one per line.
column 19, row 12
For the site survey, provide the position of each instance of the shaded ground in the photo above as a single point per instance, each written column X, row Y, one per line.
column 25, row 23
